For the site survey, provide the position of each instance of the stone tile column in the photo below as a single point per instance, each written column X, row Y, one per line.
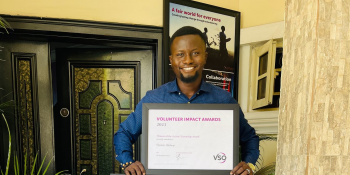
column 314, row 117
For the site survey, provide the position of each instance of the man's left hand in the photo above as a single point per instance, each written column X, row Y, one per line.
column 242, row 169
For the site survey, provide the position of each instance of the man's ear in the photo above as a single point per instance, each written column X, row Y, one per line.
column 171, row 58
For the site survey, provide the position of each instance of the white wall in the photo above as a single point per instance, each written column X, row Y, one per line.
column 264, row 121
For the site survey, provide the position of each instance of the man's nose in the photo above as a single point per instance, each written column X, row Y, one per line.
column 187, row 59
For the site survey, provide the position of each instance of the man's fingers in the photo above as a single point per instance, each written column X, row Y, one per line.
column 135, row 168
column 235, row 169
column 140, row 166
column 245, row 172
column 131, row 170
column 240, row 171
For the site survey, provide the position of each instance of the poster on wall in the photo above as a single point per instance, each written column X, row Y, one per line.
column 221, row 30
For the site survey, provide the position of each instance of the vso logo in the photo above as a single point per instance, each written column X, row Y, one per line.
column 220, row 157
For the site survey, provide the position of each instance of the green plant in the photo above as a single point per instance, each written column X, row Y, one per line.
column 9, row 152
column 270, row 168
column 8, row 107
column 267, row 170
column 17, row 168
column 5, row 25
column 16, row 164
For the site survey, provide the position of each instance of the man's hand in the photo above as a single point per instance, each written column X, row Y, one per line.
column 135, row 168
column 242, row 169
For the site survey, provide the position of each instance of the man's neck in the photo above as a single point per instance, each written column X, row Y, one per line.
column 189, row 89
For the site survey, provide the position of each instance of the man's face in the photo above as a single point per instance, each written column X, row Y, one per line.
column 188, row 57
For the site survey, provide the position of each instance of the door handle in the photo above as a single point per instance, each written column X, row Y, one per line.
column 64, row 112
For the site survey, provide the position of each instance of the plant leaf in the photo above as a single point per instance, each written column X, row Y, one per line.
column 36, row 156
column 9, row 153
column 15, row 164
column 4, row 24
column 267, row 169
column 58, row 173
column 42, row 164
column 47, row 167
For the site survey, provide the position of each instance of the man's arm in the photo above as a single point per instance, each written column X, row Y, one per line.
column 127, row 134
column 249, row 143
column 248, row 139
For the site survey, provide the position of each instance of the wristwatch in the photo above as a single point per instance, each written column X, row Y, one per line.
column 251, row 166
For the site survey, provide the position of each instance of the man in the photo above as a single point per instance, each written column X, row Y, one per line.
column 188, row 57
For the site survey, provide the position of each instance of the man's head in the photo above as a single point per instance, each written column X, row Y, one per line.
column 188, row 54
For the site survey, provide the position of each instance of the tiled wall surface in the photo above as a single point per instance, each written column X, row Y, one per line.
column 314, row 117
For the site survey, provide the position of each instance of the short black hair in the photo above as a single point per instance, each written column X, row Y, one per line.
column 186, row 30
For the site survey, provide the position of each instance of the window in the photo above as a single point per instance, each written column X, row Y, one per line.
column 266, row 75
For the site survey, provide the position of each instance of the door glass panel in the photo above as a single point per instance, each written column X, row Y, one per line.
column 85, row 149
column 104, row 94
column 85, row 124
column 123, row 97
column 263, row 63
column 86, row 97
column 105, row 137
column 25, row 106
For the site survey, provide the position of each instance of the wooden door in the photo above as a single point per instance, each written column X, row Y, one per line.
column 97, row 90
column 25, row 78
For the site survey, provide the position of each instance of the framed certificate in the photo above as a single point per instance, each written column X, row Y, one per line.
column 190, row 138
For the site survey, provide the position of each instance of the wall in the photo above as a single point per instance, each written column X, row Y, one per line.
column 143, row 12
column 314, row 117
column 265, row 121
column 259, row 12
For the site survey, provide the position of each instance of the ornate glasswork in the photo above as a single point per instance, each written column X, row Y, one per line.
column 101, row 97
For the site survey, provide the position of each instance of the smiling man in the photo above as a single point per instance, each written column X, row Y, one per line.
column 188, row 57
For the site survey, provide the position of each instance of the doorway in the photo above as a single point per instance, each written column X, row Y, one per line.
column 93, row 74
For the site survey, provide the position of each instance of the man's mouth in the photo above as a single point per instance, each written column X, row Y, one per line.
column 188, row 69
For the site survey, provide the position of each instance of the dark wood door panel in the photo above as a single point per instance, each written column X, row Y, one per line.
column 100, row 87
column 25, row 70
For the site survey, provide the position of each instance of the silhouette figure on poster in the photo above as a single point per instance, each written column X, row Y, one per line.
column 223, row 40
column 206, row 37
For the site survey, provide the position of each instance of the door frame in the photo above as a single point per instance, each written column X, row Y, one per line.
column 63, row 30
column 88, row 32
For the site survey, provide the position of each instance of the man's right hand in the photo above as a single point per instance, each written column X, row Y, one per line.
column 135, row 168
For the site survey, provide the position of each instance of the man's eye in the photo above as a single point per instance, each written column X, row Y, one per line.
column 195, row 53
column 180, row 54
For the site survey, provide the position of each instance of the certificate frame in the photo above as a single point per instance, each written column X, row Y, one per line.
column 164, row 106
